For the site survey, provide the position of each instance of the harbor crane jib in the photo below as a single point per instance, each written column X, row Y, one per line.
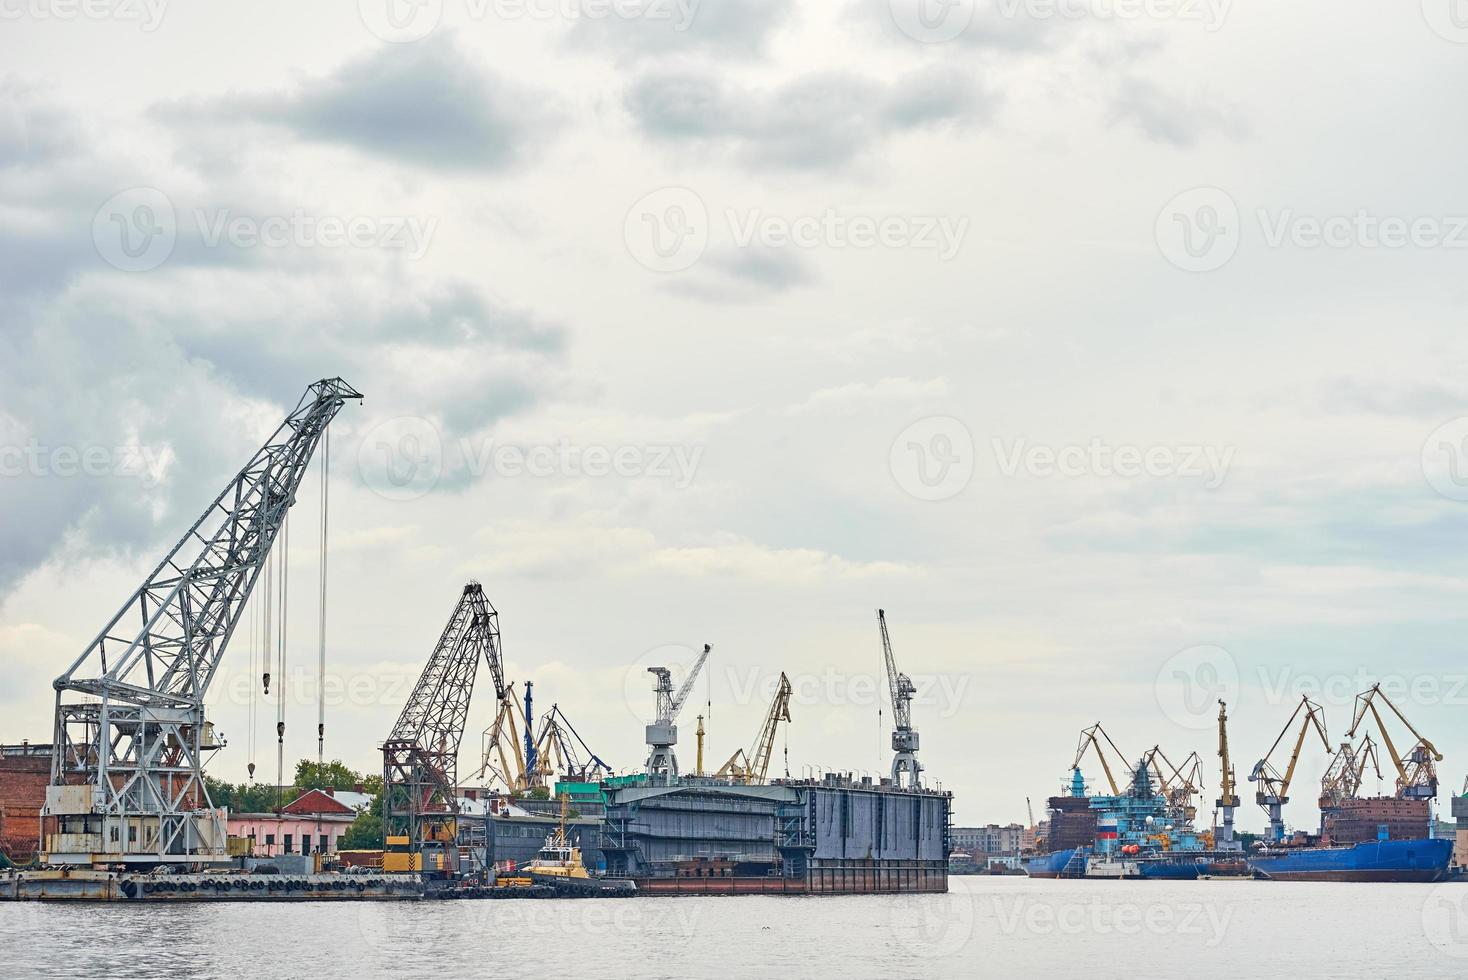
column 1228, row 797
column 1417, row 770
column 420, row 759
column 130, row 738
column 662, row 734
column 905, row 768
column 753, row 766
column 1273, row 789
column 1091, row 738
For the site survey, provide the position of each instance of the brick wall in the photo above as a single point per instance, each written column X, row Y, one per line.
column 25, row 771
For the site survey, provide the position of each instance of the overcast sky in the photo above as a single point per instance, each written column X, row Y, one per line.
column 1115, row 349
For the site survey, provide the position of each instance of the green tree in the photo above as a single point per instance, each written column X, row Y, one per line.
column 331, row 775
column 365, row 833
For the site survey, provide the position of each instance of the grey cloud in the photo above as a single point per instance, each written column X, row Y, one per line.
column 741, row 275
column 32, row 130
column 815, row 122
column 427, row 104
column 728, row 28
column 1169, row 118
column 980, row 25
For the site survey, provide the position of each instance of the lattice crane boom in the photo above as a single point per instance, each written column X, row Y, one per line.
column 905, row 767
column 754, row 765
column 1417, row 771
column 1273, row 789
column 127, row 762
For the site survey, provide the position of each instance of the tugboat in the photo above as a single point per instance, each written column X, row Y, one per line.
column 559, row 864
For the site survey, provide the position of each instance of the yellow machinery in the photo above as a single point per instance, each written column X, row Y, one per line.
column 558, row 858
column 1346, row 772
column 754, row 765
column 1417, row 772
column 1273, row 790
column 1179, row 784
column 1228, row 798
column 1092, row 738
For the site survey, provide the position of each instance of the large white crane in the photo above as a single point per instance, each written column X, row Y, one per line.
column 662, row 734
column 127, row 767
column 905, row 768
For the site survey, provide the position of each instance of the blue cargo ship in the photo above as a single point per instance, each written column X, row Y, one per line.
column 1059, row 864
column 1385, row 860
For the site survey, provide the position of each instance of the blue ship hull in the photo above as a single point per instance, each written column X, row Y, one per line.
column 1048, row 865
column 1172, row 868
column 1393, row 860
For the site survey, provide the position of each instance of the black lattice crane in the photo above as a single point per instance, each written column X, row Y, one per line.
column 421, row 757
column 127, row 769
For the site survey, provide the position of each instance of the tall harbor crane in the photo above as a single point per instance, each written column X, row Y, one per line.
column 1091, row 738
column 420, row 759
column 1228, row 798
column 1178, row 784
column 1273, row 790
column 905, row 768
column 561, row 751
column 662, row 734
column 1347, row 771
column 753, row 766
column 1417, row 771
column 127, row 767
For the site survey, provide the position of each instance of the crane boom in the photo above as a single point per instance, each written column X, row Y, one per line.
column 1417, row 771
column 754, row 765
column 130, row 719
column 905, row 768
column 1228, row 798
column 1273, row 790
column 662, row 734
column 1091, row 738
column 421, row 756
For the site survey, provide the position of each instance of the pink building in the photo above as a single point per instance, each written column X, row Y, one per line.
column 313, row 823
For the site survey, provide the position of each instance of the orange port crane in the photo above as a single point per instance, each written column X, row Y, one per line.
column 1417, row 772
column 1273, row 790
column 754, row 765
column 1228, row 799
column 1091, row 738
column 1346, row 772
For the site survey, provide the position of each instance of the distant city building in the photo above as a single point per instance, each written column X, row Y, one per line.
column 992, row 840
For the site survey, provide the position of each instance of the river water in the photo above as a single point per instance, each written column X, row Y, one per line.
column 985, row 927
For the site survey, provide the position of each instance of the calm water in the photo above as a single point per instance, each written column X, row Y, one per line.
column 1002, row 927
